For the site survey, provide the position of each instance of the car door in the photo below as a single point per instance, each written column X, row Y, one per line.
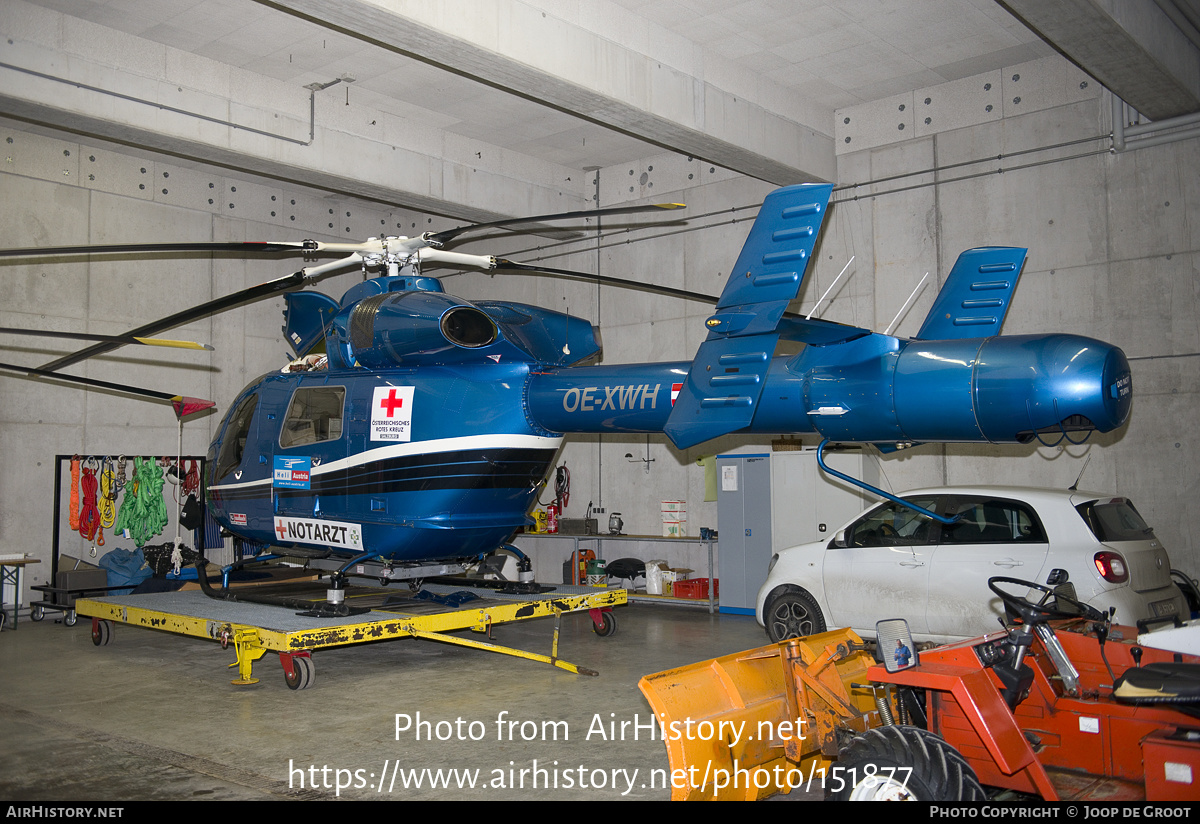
column 880, row 567
column 992, row 537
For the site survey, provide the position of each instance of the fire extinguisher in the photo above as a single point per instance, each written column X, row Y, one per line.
column 552, row 519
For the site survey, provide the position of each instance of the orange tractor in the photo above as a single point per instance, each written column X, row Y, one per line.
column 1062, row 704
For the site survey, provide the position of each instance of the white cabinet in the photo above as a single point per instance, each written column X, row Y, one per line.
column 808, row 505
column 768, row 502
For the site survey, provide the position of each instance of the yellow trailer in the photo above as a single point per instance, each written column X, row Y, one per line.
column 256, row 629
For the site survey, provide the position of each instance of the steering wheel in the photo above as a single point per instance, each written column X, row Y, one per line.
column 885, row 535
column 1040, row 612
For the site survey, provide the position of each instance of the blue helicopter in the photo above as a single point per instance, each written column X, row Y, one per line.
column 415, row 427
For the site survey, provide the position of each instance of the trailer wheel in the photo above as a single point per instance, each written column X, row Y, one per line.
column 70, row 618
column 792, row 614
column 302, row 673
column 37, row 614
column 903, row 764
column 101, row 633
column 607, row 625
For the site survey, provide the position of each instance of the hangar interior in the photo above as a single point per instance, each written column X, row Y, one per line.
column 1067, row 127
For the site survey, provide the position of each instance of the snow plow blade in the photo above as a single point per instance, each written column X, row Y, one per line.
column 752, row 724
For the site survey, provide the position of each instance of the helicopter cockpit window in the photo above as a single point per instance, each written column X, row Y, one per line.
column 234, row 442
column 315, row 415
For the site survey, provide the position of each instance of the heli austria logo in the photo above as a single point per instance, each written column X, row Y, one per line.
column 292, row 473
column 391, row 413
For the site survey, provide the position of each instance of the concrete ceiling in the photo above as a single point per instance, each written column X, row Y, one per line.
column 752, row 86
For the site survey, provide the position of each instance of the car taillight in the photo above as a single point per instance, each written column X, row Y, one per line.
column 1111, row 567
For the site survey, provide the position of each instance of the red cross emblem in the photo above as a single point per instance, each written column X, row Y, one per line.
column 391, row 403
column 281, row 530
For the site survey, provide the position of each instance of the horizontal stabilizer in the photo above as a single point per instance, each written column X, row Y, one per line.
column 817, row 332
column 722, row 389
column 771, row 267
column 727, row 376
column 975, row 298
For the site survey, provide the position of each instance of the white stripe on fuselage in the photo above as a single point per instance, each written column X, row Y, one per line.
column 398, row 450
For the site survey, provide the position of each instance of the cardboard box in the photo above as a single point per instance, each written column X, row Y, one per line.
column 674, row 519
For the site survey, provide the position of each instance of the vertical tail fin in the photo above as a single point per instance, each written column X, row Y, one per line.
column 728, row 373
column 975, row 298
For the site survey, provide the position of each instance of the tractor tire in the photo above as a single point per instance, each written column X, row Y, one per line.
column 903, row 764
column 792, row 613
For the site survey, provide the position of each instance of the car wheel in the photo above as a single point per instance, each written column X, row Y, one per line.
column 792, row 614
column 904, row 764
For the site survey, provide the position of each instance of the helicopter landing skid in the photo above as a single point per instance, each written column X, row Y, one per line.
column 306, row 607
column 387, row 573
column 504, row 587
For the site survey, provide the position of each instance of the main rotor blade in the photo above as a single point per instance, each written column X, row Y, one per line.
column 313, row 247
column 449, row 234
column 116, row 387
column 119, row 339
column 263, row 290
column 253, row 247
column 502, row 263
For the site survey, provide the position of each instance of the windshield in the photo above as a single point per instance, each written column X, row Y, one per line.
column 234, row 439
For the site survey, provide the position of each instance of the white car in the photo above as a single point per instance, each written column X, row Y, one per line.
column 893, row 562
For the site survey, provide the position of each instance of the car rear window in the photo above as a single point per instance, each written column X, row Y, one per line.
column 1115, row 519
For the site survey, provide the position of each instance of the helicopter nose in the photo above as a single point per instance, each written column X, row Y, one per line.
column 1072, row 384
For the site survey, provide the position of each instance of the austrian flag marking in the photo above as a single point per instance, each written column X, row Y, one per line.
column 676, row 388
column 392, row 413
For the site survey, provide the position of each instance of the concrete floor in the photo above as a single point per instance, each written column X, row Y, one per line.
column 153, row 716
